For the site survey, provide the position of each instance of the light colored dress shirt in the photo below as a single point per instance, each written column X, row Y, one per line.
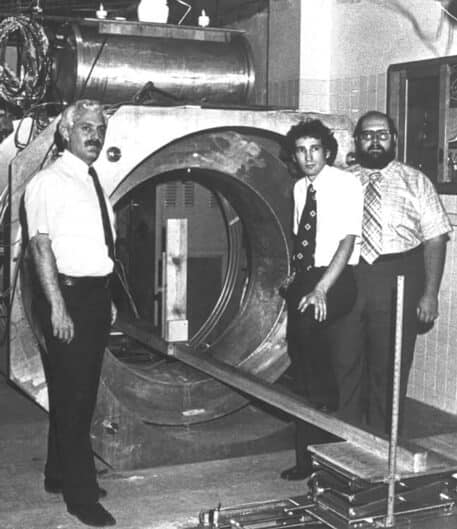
column 411, row 209
column 339, row 202
column 61, row 201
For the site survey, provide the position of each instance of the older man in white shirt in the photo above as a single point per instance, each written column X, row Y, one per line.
column 70, row 226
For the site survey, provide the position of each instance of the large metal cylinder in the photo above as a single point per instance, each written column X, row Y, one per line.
column 256, row 183
column 115, row 65
column 237, row 155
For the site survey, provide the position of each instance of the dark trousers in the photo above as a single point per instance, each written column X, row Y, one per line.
column 310, row 349
column 73, row 374
column 364, row 339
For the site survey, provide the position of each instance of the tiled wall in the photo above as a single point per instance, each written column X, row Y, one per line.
column 283, row 93
column 434, row 373
column 350, row 96
column 313, row 95
column 353, row 96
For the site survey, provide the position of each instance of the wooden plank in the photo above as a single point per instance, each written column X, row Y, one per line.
column 176, row 324
column 444, row 444
column 290, row 403
column 168, row 31
column 443, row 118
column 358, row 461
column 409, row 458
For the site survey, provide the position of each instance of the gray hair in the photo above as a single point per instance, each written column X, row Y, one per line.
column 75, row 110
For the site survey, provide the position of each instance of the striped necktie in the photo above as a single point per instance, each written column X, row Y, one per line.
column 371, row 247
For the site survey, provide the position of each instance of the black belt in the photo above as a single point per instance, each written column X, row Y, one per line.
column 85, row 281
column 391, row 257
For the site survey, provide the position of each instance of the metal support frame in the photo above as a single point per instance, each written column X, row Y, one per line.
column 339, row 500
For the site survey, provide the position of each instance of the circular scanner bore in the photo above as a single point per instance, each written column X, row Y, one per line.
column 245, row 330
column 254, row 183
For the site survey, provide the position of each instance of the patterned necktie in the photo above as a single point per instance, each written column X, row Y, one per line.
column 371, row 247
column 104, row 213
column 305, row 240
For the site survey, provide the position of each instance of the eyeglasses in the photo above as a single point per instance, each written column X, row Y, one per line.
column 370, row 135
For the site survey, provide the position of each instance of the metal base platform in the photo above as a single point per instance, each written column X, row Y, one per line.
column 340, row 501
column 343, row 502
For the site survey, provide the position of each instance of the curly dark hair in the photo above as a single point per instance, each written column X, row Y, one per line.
column 311, row 128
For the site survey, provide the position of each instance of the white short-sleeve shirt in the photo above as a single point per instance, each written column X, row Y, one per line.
column 61, row 201
column 339, row 201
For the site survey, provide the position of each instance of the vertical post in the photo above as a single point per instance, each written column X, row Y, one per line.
column 444, row 175
column 175, row 263
column 390, row 518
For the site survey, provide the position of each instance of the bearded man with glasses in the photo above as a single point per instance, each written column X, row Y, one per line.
column 404, row 232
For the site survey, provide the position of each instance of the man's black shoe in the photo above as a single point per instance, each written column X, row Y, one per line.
column 92, row 514
column 297, row 473
column 54, row 486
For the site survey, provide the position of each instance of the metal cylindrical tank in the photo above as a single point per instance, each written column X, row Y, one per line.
column 255, row 182
column 114, row 65
column 237, row 155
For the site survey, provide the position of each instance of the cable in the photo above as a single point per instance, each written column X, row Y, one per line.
column 40, row 117
column 67, row 6
column 119, row 271
column 189, row 8
column 94, row 63
column 30, row 84
column 448, row 13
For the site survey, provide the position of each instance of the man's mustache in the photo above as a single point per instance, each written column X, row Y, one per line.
column 93, row 143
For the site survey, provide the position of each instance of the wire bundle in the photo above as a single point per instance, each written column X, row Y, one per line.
column 28, row 86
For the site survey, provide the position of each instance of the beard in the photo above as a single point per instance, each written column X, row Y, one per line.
column 376, row 158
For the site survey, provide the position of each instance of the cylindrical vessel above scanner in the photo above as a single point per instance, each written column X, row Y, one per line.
column 115, row 66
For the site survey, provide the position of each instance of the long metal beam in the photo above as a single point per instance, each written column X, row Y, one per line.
column 412, row 460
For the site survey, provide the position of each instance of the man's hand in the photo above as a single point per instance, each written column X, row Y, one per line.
column 284, row 286
column 62, row 324
column 43, row 256
column 113, row 313
column 427, row 309
column 434, row 256
column 317, row 298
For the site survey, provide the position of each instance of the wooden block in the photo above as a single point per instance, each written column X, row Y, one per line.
column 168, row 31
column 177, row 331
column 176, row 325
column 442, row 444
column 361, row 462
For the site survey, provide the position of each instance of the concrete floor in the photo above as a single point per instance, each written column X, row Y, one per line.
column 160, row 497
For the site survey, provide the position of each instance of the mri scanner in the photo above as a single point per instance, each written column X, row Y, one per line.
column 181, row 118
column 207, row 135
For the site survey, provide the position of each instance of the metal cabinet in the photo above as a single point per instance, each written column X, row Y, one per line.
column 422, row 99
